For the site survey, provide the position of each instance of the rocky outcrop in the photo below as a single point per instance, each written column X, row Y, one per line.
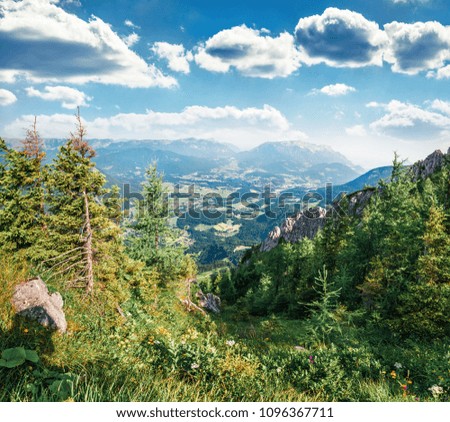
column 307, row 224
column 358, row 200
column 209, row 301
column 304, row 224
column 32, row 300
column 425, row 168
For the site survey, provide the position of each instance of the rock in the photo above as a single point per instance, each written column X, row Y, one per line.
column 425, row 168
column 209, row 301
column 308, row 223
column 32, row 300
column 272, row 240
column 358, row 200
column 305, row 224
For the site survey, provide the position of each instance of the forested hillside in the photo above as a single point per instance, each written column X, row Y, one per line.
column 360, row 312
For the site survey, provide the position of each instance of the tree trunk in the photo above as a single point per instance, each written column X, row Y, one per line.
column 88, row 246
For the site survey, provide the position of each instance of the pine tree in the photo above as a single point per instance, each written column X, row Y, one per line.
column 79, row 225
column 425, row 305
column 434, row 264
column 385, row 247
column 22, row 176
column 153, row 213
column 152, row 240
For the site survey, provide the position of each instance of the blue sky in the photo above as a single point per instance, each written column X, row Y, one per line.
column 364, row 77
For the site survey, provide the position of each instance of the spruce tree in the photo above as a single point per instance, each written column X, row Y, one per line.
column 152, row 240
column 22, row 176
column 425, row 305
column 79, row 226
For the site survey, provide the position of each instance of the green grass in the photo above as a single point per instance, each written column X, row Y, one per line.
column 160, row 352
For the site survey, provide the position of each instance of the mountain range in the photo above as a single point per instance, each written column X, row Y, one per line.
column 283, row 164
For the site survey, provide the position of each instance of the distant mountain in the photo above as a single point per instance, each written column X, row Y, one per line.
column 213, row 164
column 295, row 153
column 190, row 147
column 371, row 178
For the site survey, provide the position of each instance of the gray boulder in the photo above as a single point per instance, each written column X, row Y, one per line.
column 209, row 301
column 32, row 300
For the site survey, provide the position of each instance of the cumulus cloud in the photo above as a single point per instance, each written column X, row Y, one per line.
column 441, row 106
column 70, row 98
column 177, row 57
column 442, row 73
column 7, row 97
column 52, row 45
column 244, row 127
column 131, row 39
column 250, row 51
column 334, row 90
column 340, row 38
column 357, row 130
column 411, row 122
column 417, row 47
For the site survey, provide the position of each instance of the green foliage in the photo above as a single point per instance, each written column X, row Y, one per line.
column 45, row 383
column 21, row 198
column 392, row 263
column 11, row 358
column 359, row 313
column 323, row 322
column 152, row 240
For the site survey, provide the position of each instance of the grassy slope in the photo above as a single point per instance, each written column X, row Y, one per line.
column 159, row 352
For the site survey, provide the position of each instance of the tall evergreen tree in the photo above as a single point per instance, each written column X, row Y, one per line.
column 425, row 304
column 22, row 176
column 153, row 241
column 79, row 224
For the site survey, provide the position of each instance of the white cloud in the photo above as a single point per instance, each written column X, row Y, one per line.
column 250, row 51
column 52, row 45
column 70, row 98
column 374, row 104
column 340, row 38
column 177, row 57
column 411, row 122
column 441, row 106
column 357, row 130
column 68, row 2
column 130, row 24
column 243, row 127
column 409, row 1
column 442, row 73
column 7, row 97
column 131, row 39
column 417, row 47
column 335, row 90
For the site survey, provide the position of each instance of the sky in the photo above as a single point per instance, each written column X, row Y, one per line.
column 366, row 78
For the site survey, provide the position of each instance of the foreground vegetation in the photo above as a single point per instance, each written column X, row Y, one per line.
column 358, row 314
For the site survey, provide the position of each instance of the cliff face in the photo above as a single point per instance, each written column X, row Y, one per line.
column 304, row 224
column 425, row 168
column 307, row 224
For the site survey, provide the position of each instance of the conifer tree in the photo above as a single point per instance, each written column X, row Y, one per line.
column 425, row 303
column 153, row 241
column 79, row 224
column 22, row 176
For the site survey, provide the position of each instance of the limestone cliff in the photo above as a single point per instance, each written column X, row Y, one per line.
column 307, row 224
